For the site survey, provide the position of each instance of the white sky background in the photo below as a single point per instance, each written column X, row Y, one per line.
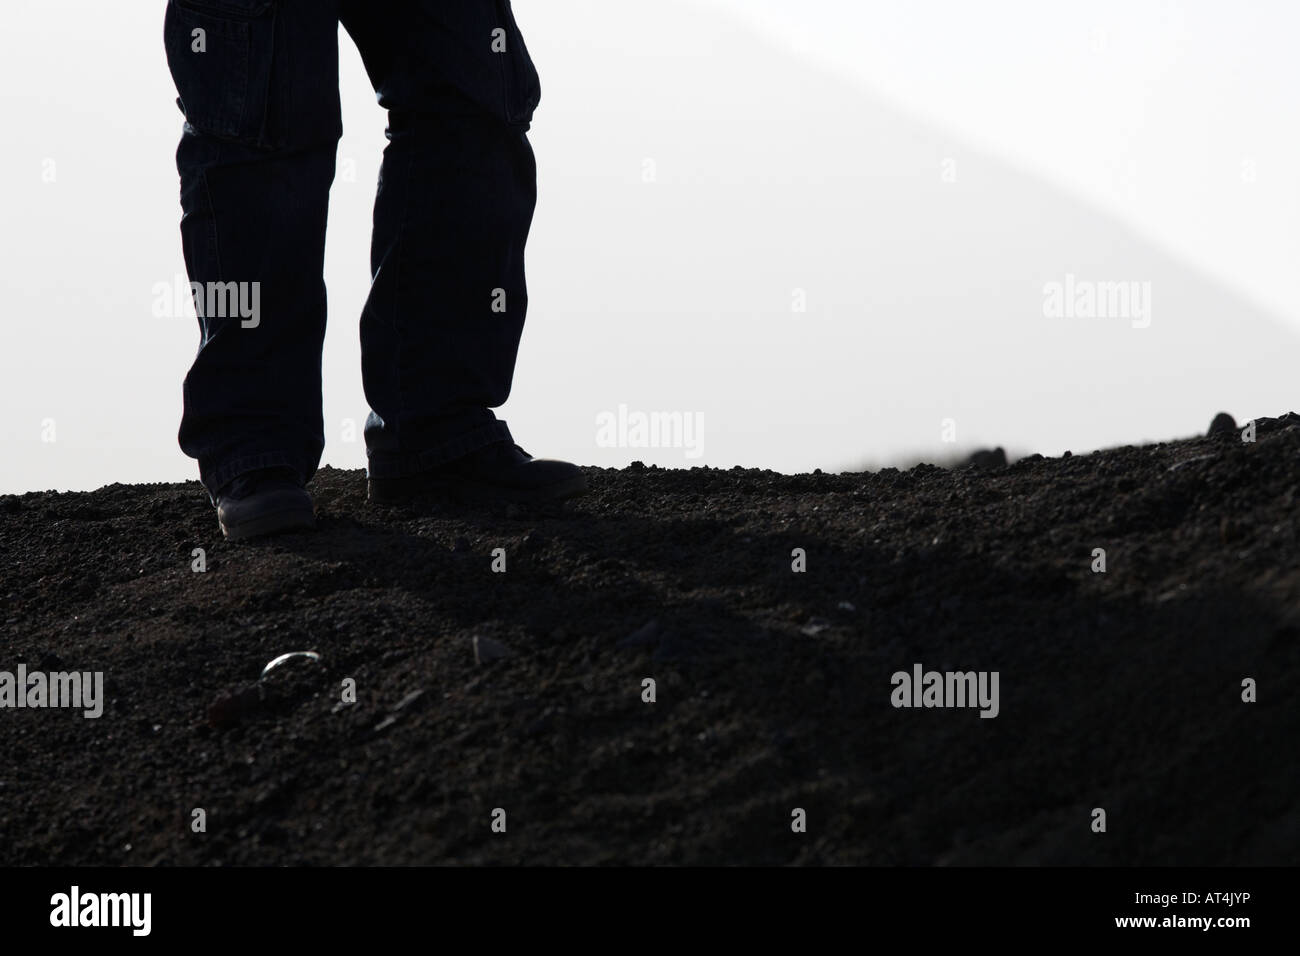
column 1150, row 108
column 797, row 144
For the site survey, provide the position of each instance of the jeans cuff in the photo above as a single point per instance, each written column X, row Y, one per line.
column 218, row 478
column 404, row 465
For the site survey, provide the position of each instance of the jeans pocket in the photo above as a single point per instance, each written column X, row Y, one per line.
column 220, row 53
column 523, row 89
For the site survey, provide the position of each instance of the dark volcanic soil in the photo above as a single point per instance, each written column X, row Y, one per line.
column 1119, row 690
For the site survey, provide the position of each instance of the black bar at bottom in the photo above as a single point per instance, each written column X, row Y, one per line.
column 332, row 906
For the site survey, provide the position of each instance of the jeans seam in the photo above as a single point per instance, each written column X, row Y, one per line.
column 399, row 349
column 212, row 230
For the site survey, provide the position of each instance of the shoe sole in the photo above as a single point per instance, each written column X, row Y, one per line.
column 477, row 492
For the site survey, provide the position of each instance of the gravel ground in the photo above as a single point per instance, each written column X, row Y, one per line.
column 518, row 696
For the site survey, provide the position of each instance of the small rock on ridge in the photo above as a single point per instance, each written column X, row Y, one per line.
column 486, row 649
column 1223, row 424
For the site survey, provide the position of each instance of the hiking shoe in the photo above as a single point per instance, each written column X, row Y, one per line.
column 264, row 502
column 501, row 471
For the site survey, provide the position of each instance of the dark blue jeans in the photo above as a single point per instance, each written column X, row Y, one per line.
column 258, row 84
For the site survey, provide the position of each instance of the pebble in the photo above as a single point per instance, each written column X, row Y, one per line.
column 1223, row 424
column 408, row 700
column 985, row 458
column 647, row 633
column 291, row 656
column 486, row 649
column 1188, row 461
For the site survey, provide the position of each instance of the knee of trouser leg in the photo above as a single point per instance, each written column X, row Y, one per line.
column 475, row 64
column 523, row 88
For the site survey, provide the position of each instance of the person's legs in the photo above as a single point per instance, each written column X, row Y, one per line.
column 258, row 83
column 441, row 328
